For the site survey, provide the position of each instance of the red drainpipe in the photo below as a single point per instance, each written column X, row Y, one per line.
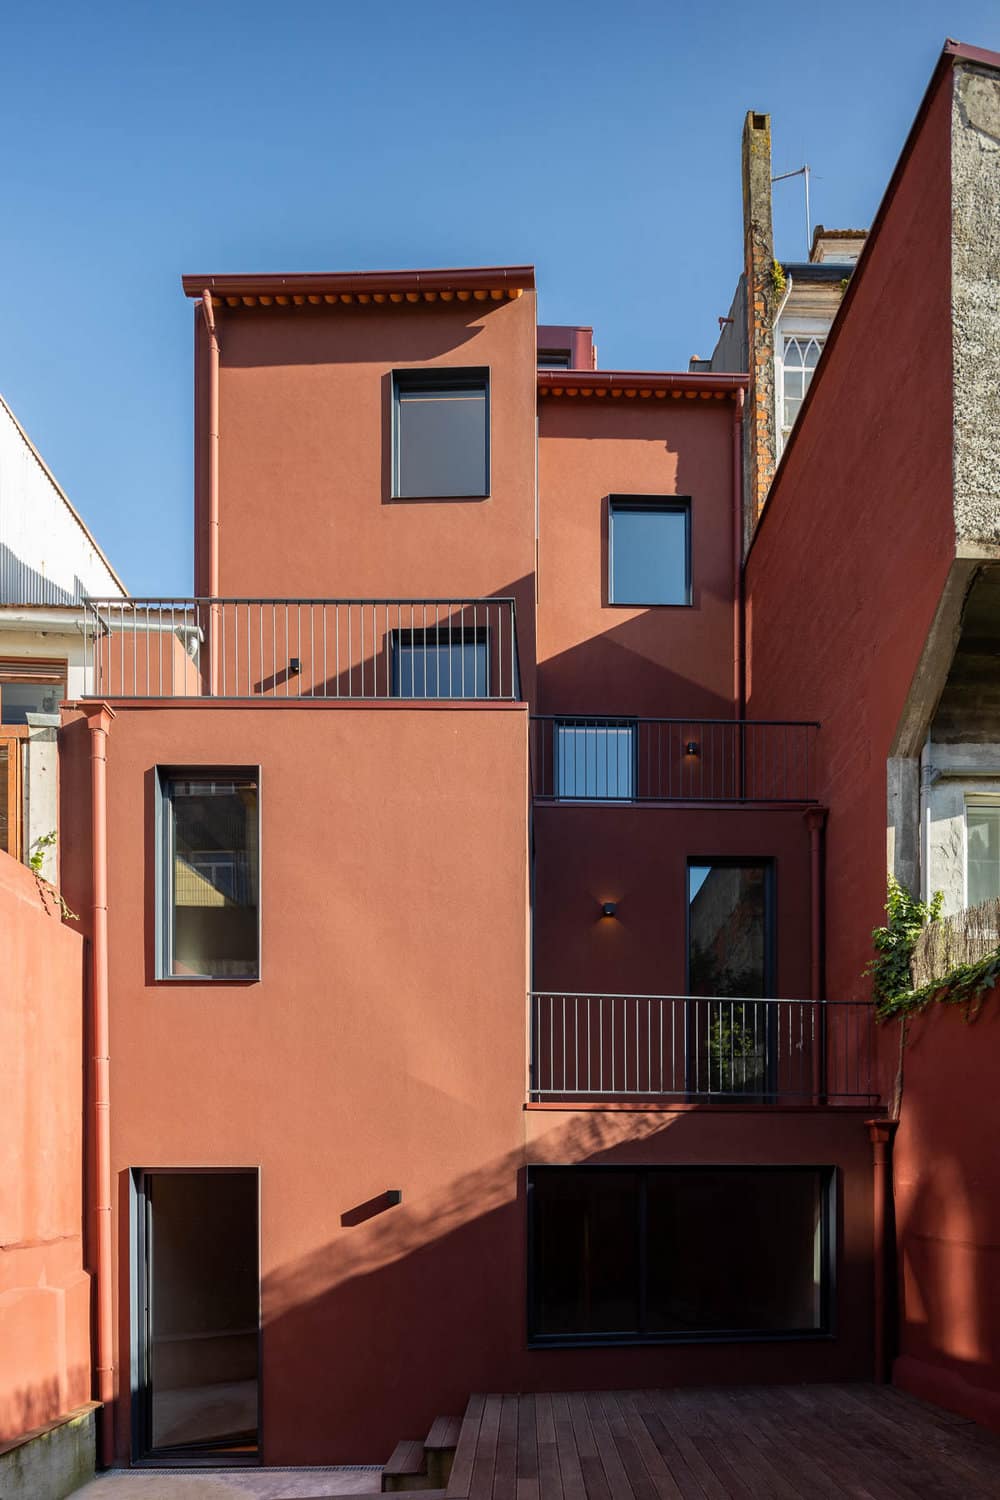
column 880, row 1133
column 208, row 309
column 99, row 717
column 739, row 663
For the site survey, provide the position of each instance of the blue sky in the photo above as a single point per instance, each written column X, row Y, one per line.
column 598, row 141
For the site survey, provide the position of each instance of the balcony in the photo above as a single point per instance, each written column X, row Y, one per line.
column 314, row 649
column 622, row 760
column 670, row 1049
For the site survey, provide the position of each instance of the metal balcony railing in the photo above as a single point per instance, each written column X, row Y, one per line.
column 302, row 648
column 580, row 758
column 699, row 1048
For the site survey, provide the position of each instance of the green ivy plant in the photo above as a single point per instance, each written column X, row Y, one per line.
column 36, row 859
column 892, row 987
column 778, row 282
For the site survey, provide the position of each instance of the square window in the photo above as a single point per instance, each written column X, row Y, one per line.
column 30, row 686
column 440, row 434
column 446, row 661
column 208, row 871
column 595, row 759
column 649, row 551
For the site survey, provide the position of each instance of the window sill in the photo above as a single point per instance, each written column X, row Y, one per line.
column 241, row 981
column 641, row 604
column 658, row 1340
column 431, row 499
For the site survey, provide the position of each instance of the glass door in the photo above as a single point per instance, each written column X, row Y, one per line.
column 198, row 1316
column 731, row 1035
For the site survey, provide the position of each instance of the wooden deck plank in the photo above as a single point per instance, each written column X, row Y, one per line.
column 794, row 1449
column 849, row 1457
column 481, row 1484
column 907, row 1464
column 651, row 1456
column 505, row 1466
column 574, row 1484
column 920, row 1440
column 640, row 1482
column 465, row 1453
column 549, row 1475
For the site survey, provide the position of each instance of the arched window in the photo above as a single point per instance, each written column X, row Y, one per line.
column 801, row 354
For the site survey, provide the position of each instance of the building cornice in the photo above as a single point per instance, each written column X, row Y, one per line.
column 637, row 385
column 364, row 288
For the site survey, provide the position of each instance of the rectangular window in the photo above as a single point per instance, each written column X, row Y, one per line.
column 553, row 359
column 633, row 1255
column 649, row 551
column 440, row 434
column 449, row 661
column 595, row 759
column 801, row 355
column 30, row 686
column 732, row 1044
column 982, row 844
column 209, row 874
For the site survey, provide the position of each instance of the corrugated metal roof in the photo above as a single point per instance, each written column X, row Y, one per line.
column 47, row 554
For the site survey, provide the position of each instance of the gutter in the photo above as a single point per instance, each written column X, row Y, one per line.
column 213, row 485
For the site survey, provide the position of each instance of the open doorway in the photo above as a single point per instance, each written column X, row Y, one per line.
column 196, row 1316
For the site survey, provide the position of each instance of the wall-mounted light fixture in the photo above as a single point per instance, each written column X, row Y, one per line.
column 393, row 1197
column 295, row 666
column 692, row 747
column 609, row 909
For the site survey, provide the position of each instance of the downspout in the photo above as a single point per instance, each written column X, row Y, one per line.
column 927, row 779
column 213, row 485
column 99, row 717
column 816, row 823
column 880, row 1133
column 739, row 661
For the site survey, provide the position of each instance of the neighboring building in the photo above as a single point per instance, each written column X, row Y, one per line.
column 779, row 335
column 48, row 563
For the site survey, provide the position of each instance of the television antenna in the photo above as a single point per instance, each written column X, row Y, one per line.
column 802, row 172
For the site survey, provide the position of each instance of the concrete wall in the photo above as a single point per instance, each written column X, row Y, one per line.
column 44, row 1288
column 947, row 1195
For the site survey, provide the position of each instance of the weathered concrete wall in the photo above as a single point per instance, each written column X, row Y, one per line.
column 975, row 173
column 760, row 447
column 53, row 1462
column 44, row 1289
column 947, row 1195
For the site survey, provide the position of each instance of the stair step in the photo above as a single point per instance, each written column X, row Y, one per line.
column 444, row 1433
column 407, row 1468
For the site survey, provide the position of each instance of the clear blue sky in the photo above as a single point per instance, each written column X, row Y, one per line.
column 598, row 141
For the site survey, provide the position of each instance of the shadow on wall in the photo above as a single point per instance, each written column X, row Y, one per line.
column 947, row 1190
column 25, row 1408
column 20, row 583
column 399, row 1319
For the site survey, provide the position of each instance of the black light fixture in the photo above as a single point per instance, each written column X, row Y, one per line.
column 609, row 909
column 692, row 747
column 295, row 666
column 393, row 1196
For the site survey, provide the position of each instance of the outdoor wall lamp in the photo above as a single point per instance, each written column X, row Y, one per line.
column 692, row 747
column 609, row 909
column 295, row 665
column 393, row 1197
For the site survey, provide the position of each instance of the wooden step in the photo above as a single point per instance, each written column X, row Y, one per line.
column 406, row 1469
column 439, row 1446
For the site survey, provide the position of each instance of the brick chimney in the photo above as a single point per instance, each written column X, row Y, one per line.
column 758, row 255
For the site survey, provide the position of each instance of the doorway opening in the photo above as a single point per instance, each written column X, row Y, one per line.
column 196, row 1316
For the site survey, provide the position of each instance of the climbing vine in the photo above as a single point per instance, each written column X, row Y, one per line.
column 893, row 990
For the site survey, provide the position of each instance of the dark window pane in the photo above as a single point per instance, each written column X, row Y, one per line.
column 595, row 760
column 585, row 1253
column 553, row 359
column 734, row 1252
column 214, row 877
column 448, row 663
column 649, row 554
column 19, row 699
column 441, row 436
column 728, row 930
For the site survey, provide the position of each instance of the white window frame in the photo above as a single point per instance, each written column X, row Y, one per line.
column 973, row 800
column 787, row 329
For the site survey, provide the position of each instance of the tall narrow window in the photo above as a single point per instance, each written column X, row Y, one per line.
column 730, row 942
column 649, row 551
column 800, row 359
column 982, row 843
column 440, row 434
column 595, row 759
column 209, row 875
column 448, row 661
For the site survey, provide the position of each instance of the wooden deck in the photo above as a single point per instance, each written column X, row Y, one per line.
column 796, row 1442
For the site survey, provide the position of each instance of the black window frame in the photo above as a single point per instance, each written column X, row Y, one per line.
column 440, row 378
column 457, row 636
column 567, row 721
column 164, row 874
column 829, row 1190
column 649, row 504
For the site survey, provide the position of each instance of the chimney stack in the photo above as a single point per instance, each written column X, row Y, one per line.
column 760, row 439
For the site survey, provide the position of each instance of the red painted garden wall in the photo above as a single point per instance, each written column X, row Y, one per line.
column 44, row 1289
column 947, row 1184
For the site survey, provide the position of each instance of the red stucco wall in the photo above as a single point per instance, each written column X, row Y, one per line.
column 855, row 544
column 947, row 1189
column 44, row 1288
column 673, row 660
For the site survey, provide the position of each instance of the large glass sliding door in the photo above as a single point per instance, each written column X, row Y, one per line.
column 731, row 1042
column 197, row 1316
